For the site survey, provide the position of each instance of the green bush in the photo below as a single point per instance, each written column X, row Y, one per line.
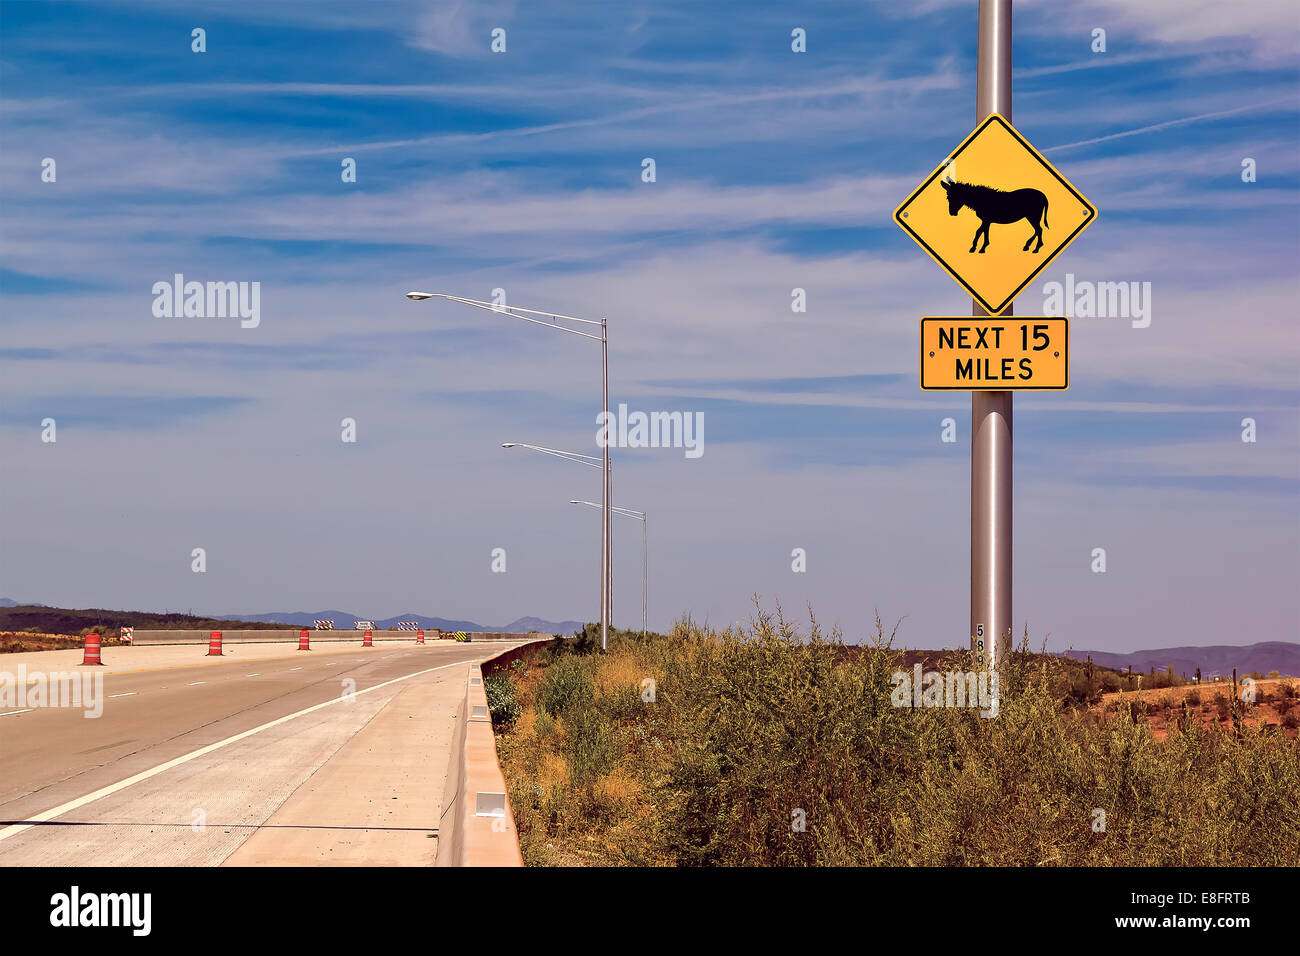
column 503, row 704
column 565, row 687
column 587, row 641
column 589, row 744
column 622, row 703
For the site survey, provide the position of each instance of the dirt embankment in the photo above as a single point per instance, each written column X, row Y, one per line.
column 1276, row 704
column 15, row 642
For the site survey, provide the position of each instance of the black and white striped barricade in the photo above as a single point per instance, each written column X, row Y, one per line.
column 324, row 625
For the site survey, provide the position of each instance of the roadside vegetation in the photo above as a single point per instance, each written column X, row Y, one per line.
column 34, row 639
column 767, row 746
column 77, row 622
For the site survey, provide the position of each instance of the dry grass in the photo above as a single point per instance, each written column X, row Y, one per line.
column 614, row 672
column 751, row 731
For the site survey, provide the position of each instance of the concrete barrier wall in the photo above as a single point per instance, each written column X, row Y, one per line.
column 503, row 660
column 505, row 636
column 280, row 635
column 201, row 637
column 479, row 828
column 277, row 635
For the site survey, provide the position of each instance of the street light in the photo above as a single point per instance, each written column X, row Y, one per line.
column 606, row 540
column 581, row 459
column 567, row 455
column 645, row 554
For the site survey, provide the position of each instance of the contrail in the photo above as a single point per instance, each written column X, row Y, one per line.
column 1169, row 123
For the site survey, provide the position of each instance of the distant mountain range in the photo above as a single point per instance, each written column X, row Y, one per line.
column 1215, row 659
column 344, row 620
column 28, row 615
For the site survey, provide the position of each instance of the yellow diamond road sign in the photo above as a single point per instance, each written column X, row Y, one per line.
column 995, row 213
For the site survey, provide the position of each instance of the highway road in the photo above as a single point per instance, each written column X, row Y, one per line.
column 268, row 756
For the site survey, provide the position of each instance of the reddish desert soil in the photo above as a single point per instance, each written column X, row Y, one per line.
column 1266, row 712
column 13, row 642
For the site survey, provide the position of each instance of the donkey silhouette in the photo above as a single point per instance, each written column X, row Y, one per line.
column 995, row 205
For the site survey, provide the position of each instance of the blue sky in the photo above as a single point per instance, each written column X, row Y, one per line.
column 522, row 171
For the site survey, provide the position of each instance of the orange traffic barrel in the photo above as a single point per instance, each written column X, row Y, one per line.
column 419, row 636
column 304, row 640
column 367, row 640
column 214, row 644
column 91, row 655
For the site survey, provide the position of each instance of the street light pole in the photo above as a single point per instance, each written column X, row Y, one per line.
column 604, row 465
column 645, row 573
column 645, row 555
column 606, row 536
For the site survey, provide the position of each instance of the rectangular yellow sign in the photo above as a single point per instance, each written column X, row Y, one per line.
column 995, row 353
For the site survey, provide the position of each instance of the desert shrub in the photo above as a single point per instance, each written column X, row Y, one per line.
column 586, row 641
column 1292, row 720
column 565, row 686
column 589, row 744
column 1084, row 689
column 503, row 704
column 1194, row 698
column 766, row 746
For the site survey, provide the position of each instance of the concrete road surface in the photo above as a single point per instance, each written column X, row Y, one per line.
column 272, row 756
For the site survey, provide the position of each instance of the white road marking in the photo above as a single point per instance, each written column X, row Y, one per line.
column 71, row 805
column 295, row 668
column 252, row 675
column 196, row 683
column 132, row 694
column 12, row 712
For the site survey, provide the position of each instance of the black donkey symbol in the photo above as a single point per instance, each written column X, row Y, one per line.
column 995, row 205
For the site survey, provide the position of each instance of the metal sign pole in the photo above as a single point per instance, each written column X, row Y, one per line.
column 606, row 501
column 990, row 454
